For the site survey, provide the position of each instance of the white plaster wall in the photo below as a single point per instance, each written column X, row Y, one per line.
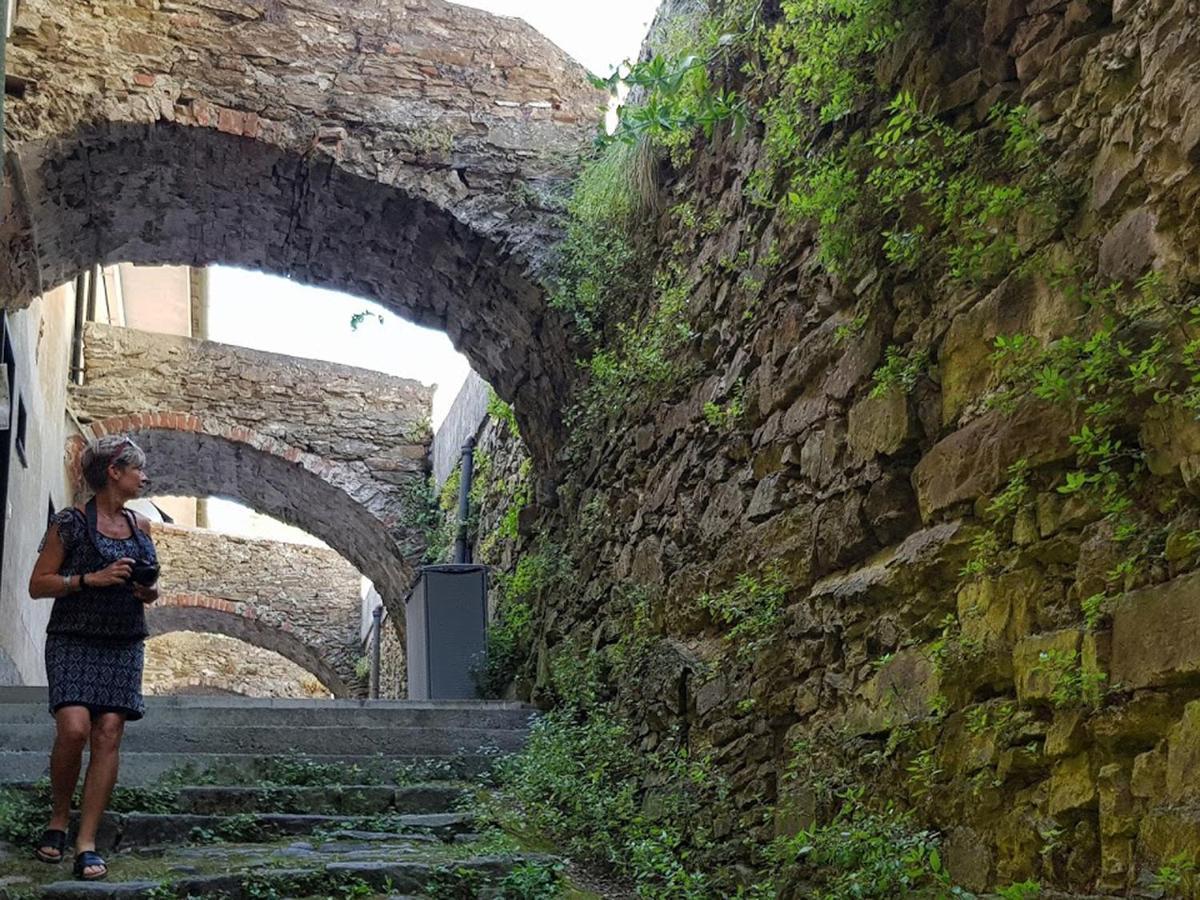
column 41, row 340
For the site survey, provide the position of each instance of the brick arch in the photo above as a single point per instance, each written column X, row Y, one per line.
column 214, row 615
column 407, row 151
column 192, row 456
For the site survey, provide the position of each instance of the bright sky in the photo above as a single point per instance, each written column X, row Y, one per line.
column 270, row 313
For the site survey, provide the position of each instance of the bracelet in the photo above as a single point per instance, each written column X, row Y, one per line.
column 82, row 583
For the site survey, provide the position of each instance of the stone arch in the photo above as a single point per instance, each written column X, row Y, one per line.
column 407, row 151
column 191, row 456
column 214, row 615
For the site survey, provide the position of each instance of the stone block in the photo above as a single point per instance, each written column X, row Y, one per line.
column 1137, row 725
column 1149, row 774
column 965, row 752
column 879, row 425
column 1072, row 786
column 930, row 556
column 975, row 460
column 1035, row 681
column 968, row 858
column 1067, row 734
column 1116, row 861
column 1018, row 304
column 1183, row 758
column 1170, row 435
column 1166, row 832
column 1002, row 608
column 1130, row 247
column 1118, row 808
column 901, row 692
column 1156, row 635
column 1001, row 18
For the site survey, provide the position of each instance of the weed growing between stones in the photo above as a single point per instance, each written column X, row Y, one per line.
column 423, row 514
column 22, row 816
column 749, row 611
column 301, row 771
column 727, row 415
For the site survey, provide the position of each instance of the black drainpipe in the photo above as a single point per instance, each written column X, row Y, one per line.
column 462, row 548
column 81, row 289
column 376, row 640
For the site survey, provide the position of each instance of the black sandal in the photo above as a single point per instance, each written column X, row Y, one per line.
column 55, row 839
column 87, row 859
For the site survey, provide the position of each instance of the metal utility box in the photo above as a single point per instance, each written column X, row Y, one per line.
column 447, row 631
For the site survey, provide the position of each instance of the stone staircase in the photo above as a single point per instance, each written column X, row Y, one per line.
column 231, row 797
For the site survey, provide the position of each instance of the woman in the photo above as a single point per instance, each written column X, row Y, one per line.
column 95, row 639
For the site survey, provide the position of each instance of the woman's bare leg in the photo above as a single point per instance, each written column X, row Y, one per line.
column 73, row 725
column 101, row 776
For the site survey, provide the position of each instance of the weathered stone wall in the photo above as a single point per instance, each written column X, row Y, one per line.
column 296, row 600
column 887, row 663
column 189, row 663
column 393, row 674
column 335, row 450
column 403, row 151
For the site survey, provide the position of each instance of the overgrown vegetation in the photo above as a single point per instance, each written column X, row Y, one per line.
column 581, row 782
column 889, row 184
column 510, row 634
column 860, row 853
column 749, row 611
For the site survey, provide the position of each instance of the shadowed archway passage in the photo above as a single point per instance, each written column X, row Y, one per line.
column 409, row 151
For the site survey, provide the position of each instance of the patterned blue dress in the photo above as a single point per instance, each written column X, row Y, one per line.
column 95, row 642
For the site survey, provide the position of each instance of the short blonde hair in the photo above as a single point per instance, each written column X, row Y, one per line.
column 110, row 450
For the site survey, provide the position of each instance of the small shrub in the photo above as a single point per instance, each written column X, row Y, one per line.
column 751, row 609
column 861, row 854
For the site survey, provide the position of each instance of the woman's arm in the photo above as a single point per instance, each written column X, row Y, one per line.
column 46, row 582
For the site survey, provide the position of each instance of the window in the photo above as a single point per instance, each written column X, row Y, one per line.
column 22, row 421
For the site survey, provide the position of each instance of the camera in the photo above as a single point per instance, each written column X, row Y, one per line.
column 144, row 573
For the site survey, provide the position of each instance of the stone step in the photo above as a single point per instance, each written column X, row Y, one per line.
column 393, row 877
column 141, row 769
column 316, row 739
column 37, row 694
column 331, row 799
column 133, row 831
column 339, row 716
column 130, row 830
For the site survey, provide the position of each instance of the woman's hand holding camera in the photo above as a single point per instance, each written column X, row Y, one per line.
column 115, row 573
column 121, row 572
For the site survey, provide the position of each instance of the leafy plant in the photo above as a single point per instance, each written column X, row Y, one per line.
column 900, row 371
column 22, row 816
column 862, row 853
column 1023, row 890
column 1180, row 877
column 1070, row 683
column 726, row 416
column 750, row 609
column 500, row 411
column 581, row 780
column 532, row 881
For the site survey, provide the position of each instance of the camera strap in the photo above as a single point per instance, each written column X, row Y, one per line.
column 92, row 529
